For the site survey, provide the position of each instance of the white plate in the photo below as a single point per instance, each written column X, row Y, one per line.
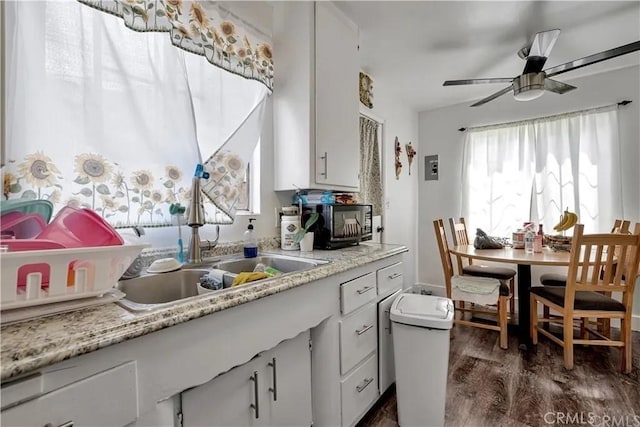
column 164, row 265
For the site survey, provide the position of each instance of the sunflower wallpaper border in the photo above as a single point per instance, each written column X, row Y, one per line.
column 198, row 29
column 122, row 198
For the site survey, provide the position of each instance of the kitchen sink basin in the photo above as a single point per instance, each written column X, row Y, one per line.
column 153, row 291
column 282, row 263
column 158, row 290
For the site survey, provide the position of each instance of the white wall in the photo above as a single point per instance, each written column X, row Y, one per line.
column 439, row 135
column 401, row 195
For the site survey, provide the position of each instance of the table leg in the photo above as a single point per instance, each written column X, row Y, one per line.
column 524, row 285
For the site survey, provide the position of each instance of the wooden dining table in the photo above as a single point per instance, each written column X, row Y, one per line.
column 524, row 261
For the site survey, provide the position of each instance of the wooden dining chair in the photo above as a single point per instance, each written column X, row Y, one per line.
column 556, row 279
column 482, row 291
column 585, row 294
column 461, row 237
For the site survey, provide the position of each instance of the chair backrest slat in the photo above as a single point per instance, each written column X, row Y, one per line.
column 445, row 255
column 607, row 262
column 459, row 232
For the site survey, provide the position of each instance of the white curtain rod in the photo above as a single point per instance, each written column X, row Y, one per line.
column 518, row 122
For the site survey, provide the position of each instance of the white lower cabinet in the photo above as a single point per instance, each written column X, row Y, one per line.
column 105, row 399
column 353, row 350
column 273, row 388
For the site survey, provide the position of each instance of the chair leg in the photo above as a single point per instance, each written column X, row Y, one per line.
column 533, row 321
column 606, row 328
column 627, row 350
column 502, row 321
column 545, row 315
column 567, row 335
column 583, row 328
column 512, row 300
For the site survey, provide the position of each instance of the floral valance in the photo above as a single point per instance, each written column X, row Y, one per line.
column 198, row 27
column 120, row 131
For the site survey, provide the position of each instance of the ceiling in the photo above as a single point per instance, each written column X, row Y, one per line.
column 414, row 46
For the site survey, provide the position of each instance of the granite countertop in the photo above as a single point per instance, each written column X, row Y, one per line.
column 33, row 344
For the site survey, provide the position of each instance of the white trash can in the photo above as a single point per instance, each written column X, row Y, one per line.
column 421, row 324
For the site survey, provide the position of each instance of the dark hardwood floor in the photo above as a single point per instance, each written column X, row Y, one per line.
column 488, row 386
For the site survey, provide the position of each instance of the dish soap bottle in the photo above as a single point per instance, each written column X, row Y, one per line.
column 250, row 241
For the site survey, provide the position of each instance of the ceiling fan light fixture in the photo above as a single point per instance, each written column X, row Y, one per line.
column 527, row 87
column 528, row 95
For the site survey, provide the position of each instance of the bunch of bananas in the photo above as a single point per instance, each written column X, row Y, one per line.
column 567, row 220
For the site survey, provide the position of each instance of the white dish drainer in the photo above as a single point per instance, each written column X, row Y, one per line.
column 73, row 273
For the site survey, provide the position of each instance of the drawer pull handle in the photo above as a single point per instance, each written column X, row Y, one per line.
column 364, row 329
column 67, row 424
column 364, row 384
column 256, row 405
column 365, row 289
column 273, row 389
column 394, row 276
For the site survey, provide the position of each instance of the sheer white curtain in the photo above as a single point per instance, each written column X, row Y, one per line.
column 497, row 174
column 111, row 119
column 578, row 167
column 533, row 170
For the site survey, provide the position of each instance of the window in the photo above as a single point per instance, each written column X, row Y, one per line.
column 116, row 120
column 534, row 170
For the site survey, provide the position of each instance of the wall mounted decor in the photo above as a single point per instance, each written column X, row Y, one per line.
column 366, row 90
column 410, row 153
column 398, row 163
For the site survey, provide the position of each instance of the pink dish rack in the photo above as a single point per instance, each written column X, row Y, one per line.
column 72, row 273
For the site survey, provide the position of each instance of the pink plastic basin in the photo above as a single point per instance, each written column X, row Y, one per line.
column 21, row 226
column 78, row 228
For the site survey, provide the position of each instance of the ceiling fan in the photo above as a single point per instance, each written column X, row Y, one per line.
column 533, row 81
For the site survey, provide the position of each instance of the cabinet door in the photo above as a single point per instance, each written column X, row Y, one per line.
column 227, row 399
column 336, row 70
column 105, row 399
column 287, row 383
column 386, row 367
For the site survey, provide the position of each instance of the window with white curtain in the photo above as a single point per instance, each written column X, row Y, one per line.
column 534, row 170
column 116, row 120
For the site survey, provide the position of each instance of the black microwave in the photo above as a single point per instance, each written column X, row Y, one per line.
column 339, row 225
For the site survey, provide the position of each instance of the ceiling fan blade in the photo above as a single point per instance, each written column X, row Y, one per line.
column 492, row 97
column 593, row 59
column 476, row 81
column 543, row 42
column 539, row 51
column 557, row 87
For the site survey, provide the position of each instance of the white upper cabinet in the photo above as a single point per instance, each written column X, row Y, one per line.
column 315, row 97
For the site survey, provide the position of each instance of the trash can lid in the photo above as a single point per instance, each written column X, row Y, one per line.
column 422, row 310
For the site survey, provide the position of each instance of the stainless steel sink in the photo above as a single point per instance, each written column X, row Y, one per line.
column 154, row 291
column 282, row 263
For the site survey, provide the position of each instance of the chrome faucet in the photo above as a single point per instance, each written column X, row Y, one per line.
column 195, row 219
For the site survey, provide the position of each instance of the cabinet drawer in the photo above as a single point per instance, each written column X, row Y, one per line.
column 109, row 398
column 359, row 390
column 389, row 279
column 357, row 292
column 358, row 337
